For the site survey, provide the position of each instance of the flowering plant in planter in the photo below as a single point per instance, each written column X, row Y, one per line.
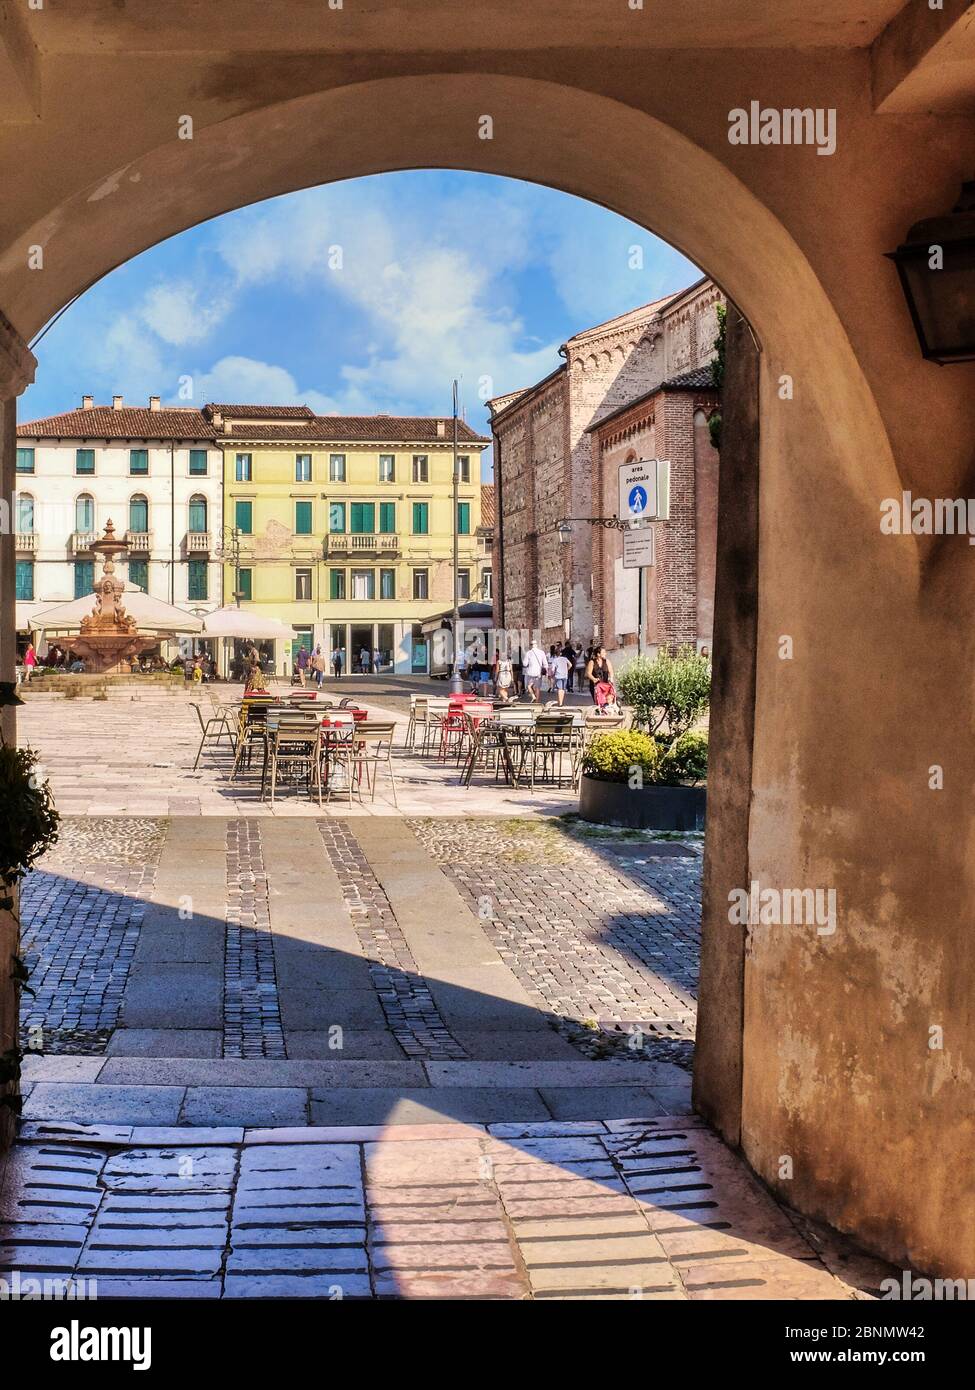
column 639, row 759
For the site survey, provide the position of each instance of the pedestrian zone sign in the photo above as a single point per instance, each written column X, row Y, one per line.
column 645, row 490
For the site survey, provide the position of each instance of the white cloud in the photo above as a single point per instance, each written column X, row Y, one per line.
column 176, row 312
column 426, row 275
column 240, row 379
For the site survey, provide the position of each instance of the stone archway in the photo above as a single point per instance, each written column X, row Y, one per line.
column 813, row 1071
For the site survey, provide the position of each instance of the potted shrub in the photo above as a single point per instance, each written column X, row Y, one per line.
column 630, row 778
column 668, row 693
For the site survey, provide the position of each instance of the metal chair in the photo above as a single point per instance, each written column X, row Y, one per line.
column 251, row 729
column 216, row 727
column 294, row 742
column 373, row 748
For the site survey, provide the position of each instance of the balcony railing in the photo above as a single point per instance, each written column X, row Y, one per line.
column 138, row 540
column 378, row 544
column 81, row 541
column 27, row 540
column 198, row 542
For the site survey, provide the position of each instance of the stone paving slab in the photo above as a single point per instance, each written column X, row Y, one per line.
column 531, row 1211
column 106, row 1104
column 378, row 1105
column 165, row 1042
column 178, row 1071
column 561, row 1073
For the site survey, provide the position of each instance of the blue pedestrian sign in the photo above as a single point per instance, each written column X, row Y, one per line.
column 644, row 491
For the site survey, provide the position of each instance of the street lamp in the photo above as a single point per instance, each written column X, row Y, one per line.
column 456, row 679
column 229, row 549
column 936, row 265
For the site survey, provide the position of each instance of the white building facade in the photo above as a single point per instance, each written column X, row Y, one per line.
column 155, row 472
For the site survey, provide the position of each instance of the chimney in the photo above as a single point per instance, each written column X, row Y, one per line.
column 217, row 418
column 153, row 402
column 116, row 402
column 441, row 429
column 227, row 426
column 88, row 402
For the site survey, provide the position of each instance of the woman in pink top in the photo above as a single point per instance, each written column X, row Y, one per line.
column 30, row 661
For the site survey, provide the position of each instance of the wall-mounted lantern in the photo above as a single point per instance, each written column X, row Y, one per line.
column 936, row 265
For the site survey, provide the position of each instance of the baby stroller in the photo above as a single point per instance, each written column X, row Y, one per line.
column 605, row 694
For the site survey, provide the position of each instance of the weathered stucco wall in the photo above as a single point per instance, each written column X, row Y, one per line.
column 837, row 1072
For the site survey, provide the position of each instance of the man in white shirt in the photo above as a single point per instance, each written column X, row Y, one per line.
column 534, row 666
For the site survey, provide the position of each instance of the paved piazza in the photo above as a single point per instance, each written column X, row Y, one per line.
column 439, row 1051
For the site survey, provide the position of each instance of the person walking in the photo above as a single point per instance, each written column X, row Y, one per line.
column 30, row 661
column 569, row 652
column 504, row 676
column 317, row 664
column 559, row 671
column 337, row 661
column 302, row 661
column 377, row 661
column 534, row 666
column 599, row 669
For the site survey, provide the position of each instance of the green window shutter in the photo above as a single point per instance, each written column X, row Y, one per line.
column 246, row 584
column 463, row 518
column 421, row 518
column 336, row 518
column 84, row 516
column 387, row 584
column 244, row 515
column 197, row 580
column 84, row 460
column 303, row 518
column 198, row 514
column 198, row 462
column 336, row 584
column 25, row 513
column 25, row 579
column 139, row 515
column 387, row 518
column 139, row 574
column 25, row 460
column 138, row 460
column 84, row 577
column 363, row 518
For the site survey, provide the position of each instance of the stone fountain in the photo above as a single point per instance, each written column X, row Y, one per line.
column 109, row 639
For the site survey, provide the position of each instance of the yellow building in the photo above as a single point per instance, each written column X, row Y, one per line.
column 344, row 525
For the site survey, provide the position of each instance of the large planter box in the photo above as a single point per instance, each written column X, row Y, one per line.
column 648, row 808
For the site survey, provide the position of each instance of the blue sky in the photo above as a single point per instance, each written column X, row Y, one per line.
column 438, row 274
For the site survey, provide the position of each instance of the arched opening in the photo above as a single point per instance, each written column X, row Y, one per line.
column 831, row 436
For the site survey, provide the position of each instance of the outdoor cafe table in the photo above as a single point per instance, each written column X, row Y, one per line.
column 335, row 725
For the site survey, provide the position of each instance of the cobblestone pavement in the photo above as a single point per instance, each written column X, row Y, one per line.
column 604, row 933
column 655, row 1210
column 81, row 914
column 251, row 1009
column 411, row 1014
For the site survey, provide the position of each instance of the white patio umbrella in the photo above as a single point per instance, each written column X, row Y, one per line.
column 241, row 622
column 151, row 614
